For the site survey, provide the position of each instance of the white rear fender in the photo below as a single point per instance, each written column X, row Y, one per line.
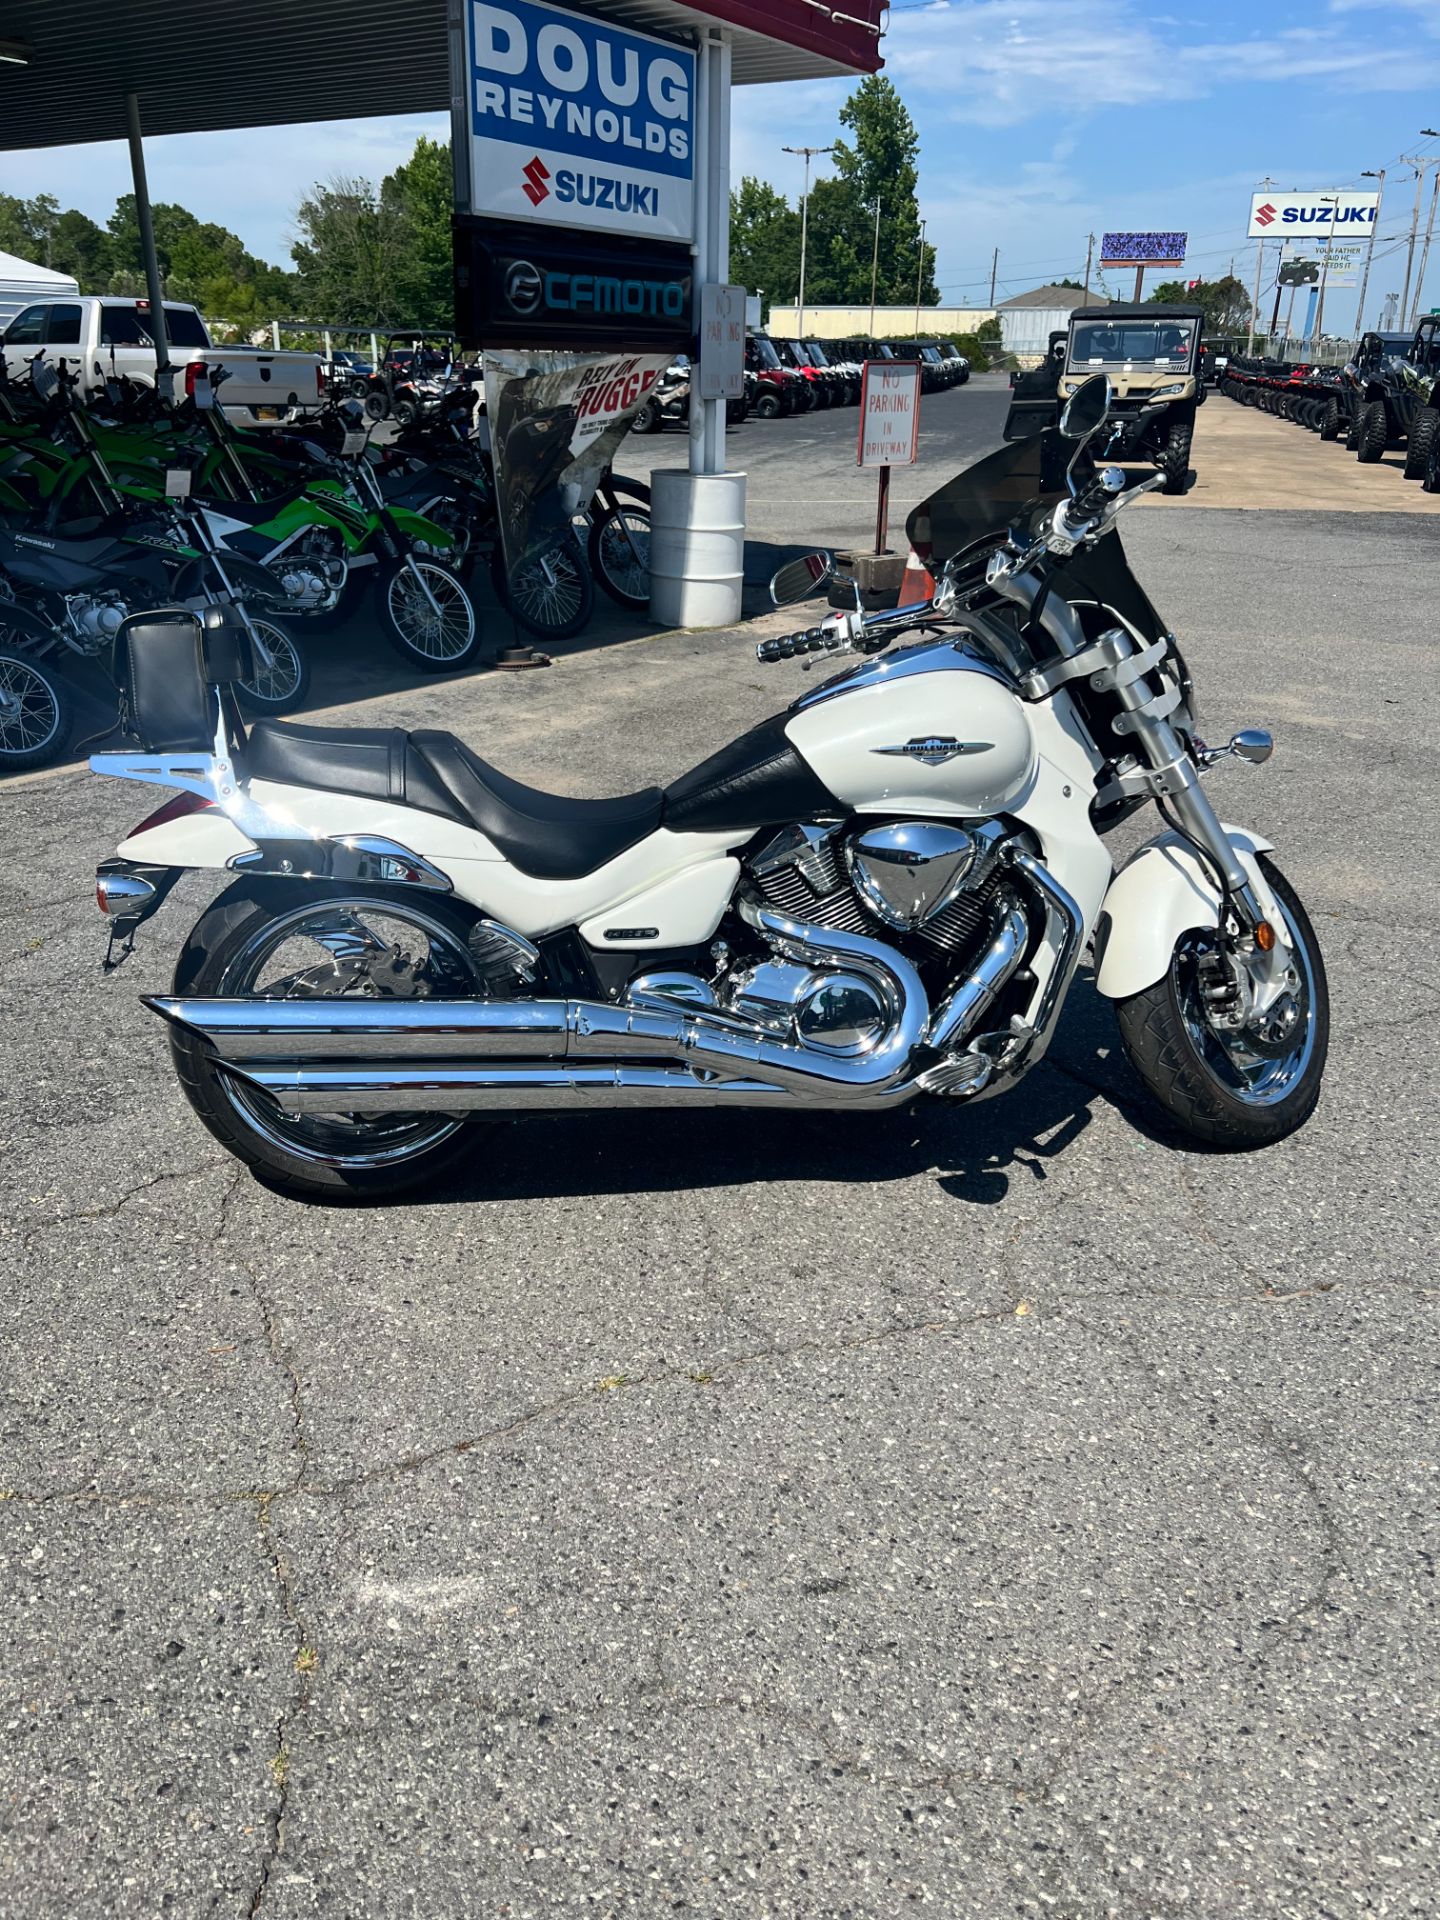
column 1162, row 892
column 207, row 838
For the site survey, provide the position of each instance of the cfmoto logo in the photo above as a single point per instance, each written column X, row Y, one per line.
column 1264, row 216
column 536, row 175
column 523, row 287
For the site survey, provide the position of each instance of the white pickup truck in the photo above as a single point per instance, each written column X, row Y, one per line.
column 98, row 337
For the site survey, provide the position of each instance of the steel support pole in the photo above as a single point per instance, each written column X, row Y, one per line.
column 719, row 223
column 704, row 56
column 1255, row 300
column 874, row 267
column 147, row 232
column 1419, row 166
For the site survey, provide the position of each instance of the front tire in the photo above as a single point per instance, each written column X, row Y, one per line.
column 620, row 554
column 252, row 933
column 34, row 714
column 1330, row 419
column 1419, row 442
column 1372, row 433
column 440, row 642
column 1233, row 1091
column 551, row 595
column 767, row 407
column 284, row 684
column 1175, row 459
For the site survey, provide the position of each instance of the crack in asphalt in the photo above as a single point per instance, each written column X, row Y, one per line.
column 111, row 1207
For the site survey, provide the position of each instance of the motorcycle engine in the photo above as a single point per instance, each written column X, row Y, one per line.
column 913, row 877
column 310, row 584
column 95, row 618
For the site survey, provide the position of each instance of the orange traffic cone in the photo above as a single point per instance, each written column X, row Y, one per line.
column 917, row 584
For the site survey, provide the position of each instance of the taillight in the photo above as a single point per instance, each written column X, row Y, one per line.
column 122, row 893
column 192, row 373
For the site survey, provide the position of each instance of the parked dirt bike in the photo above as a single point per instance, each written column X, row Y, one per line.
column 882, row 892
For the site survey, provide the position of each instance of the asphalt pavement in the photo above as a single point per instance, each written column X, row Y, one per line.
column 1002, row 1512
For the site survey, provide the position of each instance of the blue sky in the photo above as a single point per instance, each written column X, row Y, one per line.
column 1040, row 121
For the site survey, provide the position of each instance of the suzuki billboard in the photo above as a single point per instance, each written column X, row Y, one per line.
column 575, row 122
column 1311, row 216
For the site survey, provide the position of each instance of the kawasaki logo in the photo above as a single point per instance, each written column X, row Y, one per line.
column 536, row 176
column 1264, row 215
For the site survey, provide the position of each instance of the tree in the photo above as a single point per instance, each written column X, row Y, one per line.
column 764, row 240
column 350, row 250
column 881, row 164
column 1224, row 302
column 420, row 195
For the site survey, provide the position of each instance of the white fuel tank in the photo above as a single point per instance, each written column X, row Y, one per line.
column 931, row 730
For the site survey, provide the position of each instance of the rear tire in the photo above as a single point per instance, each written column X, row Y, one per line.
column 619, row 548
column 1372, row 433
column 1209, row 1086
column 1329, row 428
column 34, row 714
column 359, row 1159
column 1421, row 439
column 1175, row 457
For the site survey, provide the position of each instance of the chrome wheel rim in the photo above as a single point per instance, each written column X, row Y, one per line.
column 312, row 953
column 444, row 636
column 1258, row 1079
column 280, row 681
column 625, row 552
column 547, row 591
column 29, row 708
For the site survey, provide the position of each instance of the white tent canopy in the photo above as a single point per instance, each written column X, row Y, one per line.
column 22, row 283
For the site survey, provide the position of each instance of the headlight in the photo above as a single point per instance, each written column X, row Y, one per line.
column 426, row 549
column 1175, row 386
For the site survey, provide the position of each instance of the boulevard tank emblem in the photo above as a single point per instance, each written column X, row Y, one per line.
column 934, row 749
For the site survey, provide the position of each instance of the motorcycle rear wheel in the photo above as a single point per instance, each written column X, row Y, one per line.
column 1227, row 1089
column 269, row 938
column 550, row 595
column 620, row 554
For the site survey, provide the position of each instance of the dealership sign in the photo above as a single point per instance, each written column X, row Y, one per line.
column 518, row 284
column 1142, row 249
column 1312, row 216
column 576, row 122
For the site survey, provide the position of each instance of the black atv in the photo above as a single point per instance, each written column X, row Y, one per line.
column 1395, row 381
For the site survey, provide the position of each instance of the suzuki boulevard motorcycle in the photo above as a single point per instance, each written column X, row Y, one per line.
column 880, row 893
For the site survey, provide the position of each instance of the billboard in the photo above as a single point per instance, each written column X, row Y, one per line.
column 575, row 122
column 1311, row 215
column 1142, row 249
column 519, row 285
column 1302, row 263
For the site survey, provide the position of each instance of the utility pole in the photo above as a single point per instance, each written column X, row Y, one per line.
column 1419, row 161
column 804, row 229
column 994, row 265
column 1318, row 331
column 1425, row 251
column 1264, row 187
column 919, row 277
column 1370, row 250
column 1089, row 256
column 874, row 265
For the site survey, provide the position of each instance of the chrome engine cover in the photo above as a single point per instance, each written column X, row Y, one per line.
column 829, row 1009
column 907, row 871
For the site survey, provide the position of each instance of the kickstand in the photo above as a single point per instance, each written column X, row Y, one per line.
column 113, row 961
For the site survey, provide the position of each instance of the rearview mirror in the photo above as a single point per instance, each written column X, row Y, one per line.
column 801, row 579
column 1086, row 409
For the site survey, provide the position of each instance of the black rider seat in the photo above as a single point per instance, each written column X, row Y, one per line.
column 547, row 835
column 256, row 512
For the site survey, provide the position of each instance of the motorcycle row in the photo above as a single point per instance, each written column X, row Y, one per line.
column 137, row 497
column 1368, row 404
column 785, row 377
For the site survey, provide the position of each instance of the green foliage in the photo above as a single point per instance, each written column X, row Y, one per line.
column 420, row 195
column 764, row 241
column 988, row 330
column 1224, row 302
column 350, row 250
column 880, row 162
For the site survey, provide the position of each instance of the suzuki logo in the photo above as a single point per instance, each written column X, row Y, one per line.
column 536, row 176
column 522, row 287
column 1265, row 215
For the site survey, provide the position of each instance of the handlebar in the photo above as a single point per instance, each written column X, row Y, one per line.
column 786, row 646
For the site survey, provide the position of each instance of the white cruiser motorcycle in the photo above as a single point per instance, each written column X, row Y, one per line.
column 880, row 893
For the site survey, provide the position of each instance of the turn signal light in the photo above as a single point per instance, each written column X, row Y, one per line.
column 1265, row 936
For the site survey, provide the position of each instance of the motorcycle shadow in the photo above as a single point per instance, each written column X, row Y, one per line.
column 973, row 1153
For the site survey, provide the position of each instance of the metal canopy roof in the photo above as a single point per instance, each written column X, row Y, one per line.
column 201, row 66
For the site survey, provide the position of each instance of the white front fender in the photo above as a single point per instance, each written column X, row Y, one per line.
column 1162, row 891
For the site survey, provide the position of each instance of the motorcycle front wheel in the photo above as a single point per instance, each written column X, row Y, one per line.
column 428, row 616
column 283, row 685
column 1233, row 1088
column 34, row 714
column 264, row 940
column 551, row 595
column 620, row 554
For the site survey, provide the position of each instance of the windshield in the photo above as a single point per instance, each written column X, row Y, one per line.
column 930, row 353
column 817, row 355
column 1117, row 343
column 764, row 353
